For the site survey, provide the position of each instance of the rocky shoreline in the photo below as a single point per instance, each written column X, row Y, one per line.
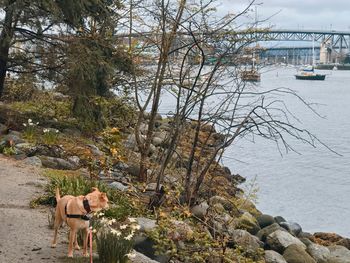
column 267, row 238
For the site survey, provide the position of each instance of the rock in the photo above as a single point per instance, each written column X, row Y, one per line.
column 273, row 257
column 141, row 258
column 157, row 141
column 279, row 219
column 339, row 254
column 131, row 142
column 263, row 233
column 292, row 227
column 59, row 96
column 265, row 220
column 200, row 210
column 146, row 224
column 245, row 240
column 296, row 254
column 246, row 205
column 221, row 200
column 119, row 186
column 145, row 246
column 49, row 150
column 95, row 150
column 134, row 170
column 143, row 128
column 307, row 242
column 14, row 137
column 74, row 160
column 280, row 240
column 320, row 253
column 345, row 242
column 34, row 160
column 181, row 231
column 152, row 150
column 57, row 163
column 28, row 148
column 249, row 223
column 121, row 166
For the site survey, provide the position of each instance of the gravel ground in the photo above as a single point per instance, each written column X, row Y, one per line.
column 24, row 232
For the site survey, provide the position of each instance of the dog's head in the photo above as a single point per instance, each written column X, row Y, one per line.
column 97, row 200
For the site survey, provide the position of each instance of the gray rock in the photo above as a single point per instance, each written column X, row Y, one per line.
column 245, row 240
column 134, row 170
column 74, row 160
column 265, row 220
column 221, row 200
column 13, row 136
column 57, row 163
column 28, row 148
column 339, row 254
column 143, row 128
column 296, row 254
column 249, row 223
column 320, row 253
column 157, row 141
column 119, row 186
column 141, row 258
column 273, row 257
column 280, row 240
column 145, row 246
column 34, row 160
column 146, row 224
column 279, row 219
column 121, row 166
column 200, row 210
column 95, row 150
column 263, row 233
column 292, row 227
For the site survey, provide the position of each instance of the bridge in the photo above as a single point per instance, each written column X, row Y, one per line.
column 333, row 45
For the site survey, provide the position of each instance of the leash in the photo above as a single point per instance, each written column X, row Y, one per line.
column 90, row 241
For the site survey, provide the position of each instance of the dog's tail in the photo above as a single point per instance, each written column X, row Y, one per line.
column 58, row 197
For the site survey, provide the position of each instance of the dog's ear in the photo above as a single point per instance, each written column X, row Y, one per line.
column 94, row 189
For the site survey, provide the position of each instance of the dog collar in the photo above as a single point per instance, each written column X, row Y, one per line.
column 86, row 205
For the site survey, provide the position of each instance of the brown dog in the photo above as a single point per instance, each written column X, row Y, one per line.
column 74, row 210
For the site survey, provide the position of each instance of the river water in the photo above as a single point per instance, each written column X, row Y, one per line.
column 313, row 187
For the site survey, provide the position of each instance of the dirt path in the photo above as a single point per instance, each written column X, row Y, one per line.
column 24, row 232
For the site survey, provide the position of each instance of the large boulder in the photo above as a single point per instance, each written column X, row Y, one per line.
column 28, row 148
column 279, row 219
column 248, row 222
column 141, row 258
column 263, row 233
column 245, row 240
column 273, row 257
column 280, row 240
column 119, row 186
column 57, row 163
column 320, row 253
column 146, row 224
column 34, row 160
column 339, row 254
column 265, row 220
column 200, row 210
column 296, row 254
column 292, row 227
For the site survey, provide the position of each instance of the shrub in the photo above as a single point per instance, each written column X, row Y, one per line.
column 29, row 130
column 50, row 136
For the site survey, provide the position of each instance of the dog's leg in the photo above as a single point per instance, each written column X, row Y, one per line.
column 57, row 225
column 72, row 234
column 86, row 238
column 76, row 245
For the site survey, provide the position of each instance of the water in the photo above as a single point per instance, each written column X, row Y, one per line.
column 311, row 188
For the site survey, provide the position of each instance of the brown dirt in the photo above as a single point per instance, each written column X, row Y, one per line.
column 24, row 232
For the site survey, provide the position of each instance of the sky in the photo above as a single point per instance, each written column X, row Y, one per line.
column 296, row 14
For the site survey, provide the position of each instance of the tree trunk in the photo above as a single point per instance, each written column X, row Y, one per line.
column 5, row 41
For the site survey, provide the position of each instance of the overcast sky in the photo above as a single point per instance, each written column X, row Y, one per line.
column 294, row 14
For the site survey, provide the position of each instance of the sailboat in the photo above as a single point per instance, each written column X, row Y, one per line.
column 252, row 74
column 308, row 72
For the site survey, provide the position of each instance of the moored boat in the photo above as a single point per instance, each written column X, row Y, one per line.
column 309, row 74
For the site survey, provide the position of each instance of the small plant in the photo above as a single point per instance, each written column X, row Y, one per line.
column 115, row 241
column 29, row 130
column 50, row 136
